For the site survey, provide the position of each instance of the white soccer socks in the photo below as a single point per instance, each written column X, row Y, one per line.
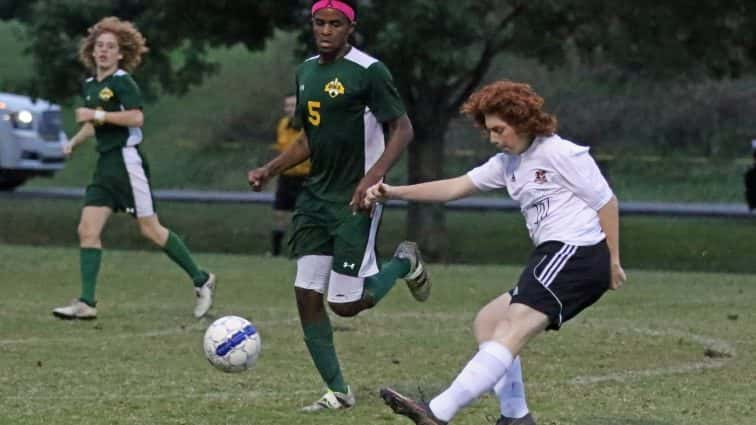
column 480, row 375
column 511, row 392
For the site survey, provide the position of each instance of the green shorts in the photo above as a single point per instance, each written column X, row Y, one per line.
column 325, row 228
column 122, row 182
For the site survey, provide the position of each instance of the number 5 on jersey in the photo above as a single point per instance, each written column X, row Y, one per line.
column 313, row 114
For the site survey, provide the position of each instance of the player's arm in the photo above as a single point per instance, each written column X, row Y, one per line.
column 128, row 118
column 85, row 132
column 609, row 220
column 400, row 134
column 434, row 191
column 297, row 152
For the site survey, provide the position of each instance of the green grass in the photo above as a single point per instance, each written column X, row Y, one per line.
column 636, row 358
column 14, row 66
column 656, row 243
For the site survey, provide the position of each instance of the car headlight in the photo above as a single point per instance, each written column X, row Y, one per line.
column 22, row 119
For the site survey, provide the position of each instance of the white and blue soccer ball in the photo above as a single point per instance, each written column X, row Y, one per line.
column 232, row 344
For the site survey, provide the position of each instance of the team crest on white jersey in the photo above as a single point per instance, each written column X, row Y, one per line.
column 540, row 176
column 334, row 88
column 106, row 94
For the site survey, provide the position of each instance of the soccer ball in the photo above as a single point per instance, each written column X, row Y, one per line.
column 232, row 344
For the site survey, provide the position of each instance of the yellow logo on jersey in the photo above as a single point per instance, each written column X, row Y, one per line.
column 106, row 94
column 334, row 88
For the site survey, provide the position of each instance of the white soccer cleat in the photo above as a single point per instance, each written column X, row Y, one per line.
column 204, row 296
column 76, row 310
column 333, row 401
column 418, row 281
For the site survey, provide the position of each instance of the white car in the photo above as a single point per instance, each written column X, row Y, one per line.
column 31, row 139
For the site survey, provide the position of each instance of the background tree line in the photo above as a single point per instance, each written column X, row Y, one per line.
column 439, row 52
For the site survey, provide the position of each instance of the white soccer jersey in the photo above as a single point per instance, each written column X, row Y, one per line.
column 559, row 188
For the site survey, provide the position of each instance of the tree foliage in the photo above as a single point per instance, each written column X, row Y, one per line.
column 438, row 51
column 178, row 33
column 441, row 51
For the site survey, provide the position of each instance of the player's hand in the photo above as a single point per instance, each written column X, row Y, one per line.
column 358, row 198
column 257, row 178
column 618, row 276
column 68, row 148
column 376, row 193
column 84, row 115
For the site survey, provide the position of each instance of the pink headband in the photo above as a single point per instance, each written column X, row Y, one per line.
column 335, row 4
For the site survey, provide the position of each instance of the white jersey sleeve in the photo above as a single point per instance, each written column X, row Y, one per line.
column 491, row 175
column 581, row 175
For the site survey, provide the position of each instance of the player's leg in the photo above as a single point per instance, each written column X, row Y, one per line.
column 356, row 283
column 285, row 200
column 312, row 245
column 407, row 263
column 280, row 220
column 510, row 390
column 136, row 195
column 502, row 328
column 91, row 224
column 514, row 328
column 175, row 248
column 310, row 285
column 559, row 282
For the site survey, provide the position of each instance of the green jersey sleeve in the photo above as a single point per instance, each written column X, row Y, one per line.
column 383, row 97
column 128, row 93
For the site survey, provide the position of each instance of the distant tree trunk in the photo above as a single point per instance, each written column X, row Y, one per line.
column 426, row 223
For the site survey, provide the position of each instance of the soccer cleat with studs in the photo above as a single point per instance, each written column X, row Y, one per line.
column 204, row 295
column 419, row 412
column 525, row 420
column 78, row 309
column 332, row 400
column 418, row 280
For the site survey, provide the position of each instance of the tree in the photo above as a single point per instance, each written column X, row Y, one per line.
column 439, row 51
column 178, row 34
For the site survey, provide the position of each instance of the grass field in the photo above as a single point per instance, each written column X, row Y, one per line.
column 655, row 243
column 669, row 349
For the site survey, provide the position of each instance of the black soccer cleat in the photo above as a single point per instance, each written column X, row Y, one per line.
column 525, row 420
column 419, row 412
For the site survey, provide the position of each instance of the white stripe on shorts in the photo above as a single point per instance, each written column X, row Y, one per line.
column 369, row 264
column 140, row 186
column 556, row 264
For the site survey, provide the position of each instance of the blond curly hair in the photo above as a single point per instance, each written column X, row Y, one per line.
column 131, row 43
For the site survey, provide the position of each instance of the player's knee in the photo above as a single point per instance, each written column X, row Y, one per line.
column 482, row 328
column 87, row 233
column 151, row 233
column 148, row 232
column 345, row 309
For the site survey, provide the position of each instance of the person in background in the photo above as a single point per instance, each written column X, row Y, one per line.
column 112, row 114
column 290, row 181
column 750, row 180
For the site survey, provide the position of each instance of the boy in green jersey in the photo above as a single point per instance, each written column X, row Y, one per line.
column 345, row 98
column 113, row 115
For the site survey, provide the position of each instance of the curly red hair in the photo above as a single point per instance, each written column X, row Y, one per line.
column 515, row 103
column 131, row 43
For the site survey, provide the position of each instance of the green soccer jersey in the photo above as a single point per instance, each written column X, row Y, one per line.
column 342, row 106
column 117, row 92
